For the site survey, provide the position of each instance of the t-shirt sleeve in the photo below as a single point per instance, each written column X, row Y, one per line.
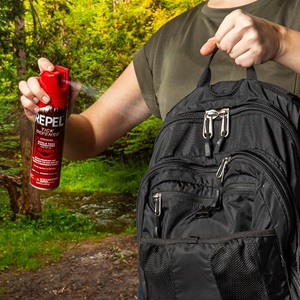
column 145, row 80
column 150, row 59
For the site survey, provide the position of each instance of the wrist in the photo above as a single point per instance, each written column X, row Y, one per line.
column 288, row 50
column 281, row 42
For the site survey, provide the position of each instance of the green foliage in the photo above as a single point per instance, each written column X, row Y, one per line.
column 9, row 138
column 138, row 143
column 28, row 244
column 6, row 28
column 103, row 175
column 131, row 229
column 9, row 118
column 50, row 219
column 59, row 220
column 9, row 114
column 5, row 210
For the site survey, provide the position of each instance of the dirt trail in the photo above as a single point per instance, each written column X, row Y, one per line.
column 96, row 271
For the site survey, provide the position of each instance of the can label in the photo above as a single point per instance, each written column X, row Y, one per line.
column 47, row 147
column 49, row 130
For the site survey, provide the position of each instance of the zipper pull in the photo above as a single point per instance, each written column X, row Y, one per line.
column 157, row 204
column 221, row 171
column 207, row 211
column 208, row 132
column 208, row 147
column 219, row 144
column 157, row 212
column 209, row 116
column 224, row 115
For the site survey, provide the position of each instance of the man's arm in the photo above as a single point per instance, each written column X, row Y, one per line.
column 119, row 109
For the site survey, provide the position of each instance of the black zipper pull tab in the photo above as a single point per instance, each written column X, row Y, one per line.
column 208, row 132
column 219, row 144
column 224, row 115
column 207, row 211
column 208, row 147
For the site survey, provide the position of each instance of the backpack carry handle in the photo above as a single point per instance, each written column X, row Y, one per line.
column 206, row 75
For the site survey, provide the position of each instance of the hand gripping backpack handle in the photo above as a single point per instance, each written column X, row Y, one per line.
column 206, row 75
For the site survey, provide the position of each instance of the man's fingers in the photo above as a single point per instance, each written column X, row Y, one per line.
column 30, row 108
column 37, row 91
column 45, row 65
column 208, row 47
column 32, row 90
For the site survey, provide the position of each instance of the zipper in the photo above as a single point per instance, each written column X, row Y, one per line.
column 157, row 197
column 275, row 113
column 219, row 240
column 176, row 163
column 261, row 163
column 274, row 175
column 237, row 188
column 263, row 107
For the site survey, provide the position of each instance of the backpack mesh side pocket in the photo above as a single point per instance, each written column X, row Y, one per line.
column 236, row 268
column 156, row 265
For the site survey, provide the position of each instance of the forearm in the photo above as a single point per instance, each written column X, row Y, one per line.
column 91, row 132
column 79, row 138
column 118, row 110
column 289, row 49
column 85, row 138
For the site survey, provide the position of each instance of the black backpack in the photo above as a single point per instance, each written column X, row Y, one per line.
column 217, row 211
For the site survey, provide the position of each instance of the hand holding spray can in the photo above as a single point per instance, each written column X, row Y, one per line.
column 49, row 130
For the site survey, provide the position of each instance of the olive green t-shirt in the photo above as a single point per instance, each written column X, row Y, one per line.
column 169, row 65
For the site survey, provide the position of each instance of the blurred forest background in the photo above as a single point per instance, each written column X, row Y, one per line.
column 96, row 40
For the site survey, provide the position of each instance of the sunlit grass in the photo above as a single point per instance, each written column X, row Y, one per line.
column 29, row 244
column 103, row 176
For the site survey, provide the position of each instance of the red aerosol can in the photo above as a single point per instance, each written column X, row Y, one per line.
column 49, row 130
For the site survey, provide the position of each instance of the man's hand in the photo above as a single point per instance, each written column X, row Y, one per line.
column 247, row 39
column 32, row 92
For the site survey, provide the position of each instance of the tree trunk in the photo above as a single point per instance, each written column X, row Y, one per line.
column 12, row 184
column 28, row 203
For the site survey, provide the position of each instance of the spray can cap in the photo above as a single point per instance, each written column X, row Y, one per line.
column 56, row 84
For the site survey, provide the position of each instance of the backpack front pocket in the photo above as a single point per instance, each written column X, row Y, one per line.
column 238, row 267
